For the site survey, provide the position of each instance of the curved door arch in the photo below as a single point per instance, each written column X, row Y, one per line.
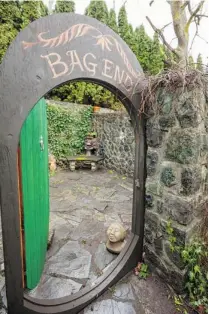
column 49, row 52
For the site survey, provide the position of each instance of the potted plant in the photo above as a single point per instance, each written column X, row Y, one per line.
column 96, row 108
column 97, row 100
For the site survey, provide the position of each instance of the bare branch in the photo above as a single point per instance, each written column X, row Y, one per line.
column 201, row 15
column 187, row 3
column 202, row 38
column 196, row 33
column 189, row 7
column 159, row 32
column 162, row 29
column 193, row 15
column 172, row 40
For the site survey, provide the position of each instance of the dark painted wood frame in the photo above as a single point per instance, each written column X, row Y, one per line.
column 25, row 77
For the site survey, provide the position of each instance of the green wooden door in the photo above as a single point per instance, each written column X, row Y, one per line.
column 35, row 191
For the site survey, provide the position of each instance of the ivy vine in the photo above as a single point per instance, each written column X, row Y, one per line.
column 195, row 258
column 67, row 129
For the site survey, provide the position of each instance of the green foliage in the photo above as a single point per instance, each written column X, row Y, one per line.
column 7, row 34
column 141, row 270
column 10, row 13
column 64, row 6
column 143, row 48
column 98, row 10
column 143, row 273
column 112, row 21
column 10, row 21
column 180, row 306
column 199, row 63
column 15, row 15
column 123, row 25
column 31, row 11
column 156, row 56
column 67, row 129
column 172, row 238
column 191, row 62
column 86, row 93
column 126, row 30
column 195, row 257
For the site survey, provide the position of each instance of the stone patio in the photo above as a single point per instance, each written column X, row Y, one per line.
column 83, row 204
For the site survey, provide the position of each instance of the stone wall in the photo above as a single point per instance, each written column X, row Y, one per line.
column 117, row 138
column 176, row 171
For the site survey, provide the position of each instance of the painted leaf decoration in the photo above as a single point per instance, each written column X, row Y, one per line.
column 79, row 29
column 104, row 42
column 86, row 29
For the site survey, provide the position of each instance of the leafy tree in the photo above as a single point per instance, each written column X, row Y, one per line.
column 156, row 56
column 143, row 47
column 199, row 63
column 10, row 23
column 123, row 25
column 98, row 10
column 131, row 39
column 7, row 34
column 191, row 62
column 112, row 21
column 64, row 6
column 10, row 13
column 32, row 10
column 126, row 30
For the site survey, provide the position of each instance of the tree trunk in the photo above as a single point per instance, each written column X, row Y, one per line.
column 181, row 31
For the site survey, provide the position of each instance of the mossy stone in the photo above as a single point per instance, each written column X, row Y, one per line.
column 183, row 146
column 168, row 177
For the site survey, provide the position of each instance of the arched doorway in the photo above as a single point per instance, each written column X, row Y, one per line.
column 48, row 53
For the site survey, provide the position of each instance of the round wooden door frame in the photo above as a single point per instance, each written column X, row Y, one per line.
column 47, row 53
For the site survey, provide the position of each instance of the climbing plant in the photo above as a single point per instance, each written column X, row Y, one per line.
column 195, row 258
column 67, row 129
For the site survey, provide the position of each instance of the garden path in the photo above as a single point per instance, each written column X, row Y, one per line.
column 82, row 206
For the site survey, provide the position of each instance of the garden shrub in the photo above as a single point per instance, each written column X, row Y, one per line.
column 67, row 129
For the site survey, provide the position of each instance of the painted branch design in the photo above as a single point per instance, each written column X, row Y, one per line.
column 106, row 42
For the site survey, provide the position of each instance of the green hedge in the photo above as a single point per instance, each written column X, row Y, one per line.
column 67, row 129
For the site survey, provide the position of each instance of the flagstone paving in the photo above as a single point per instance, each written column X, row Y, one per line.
column 82, row 206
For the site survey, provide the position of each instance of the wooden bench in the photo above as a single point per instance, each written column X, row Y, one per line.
column 87, row 160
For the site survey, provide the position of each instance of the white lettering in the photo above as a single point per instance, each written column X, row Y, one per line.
column 118, row 77
column 91, row 67
column 74, row 60
column 107, row 67
column 56, row 62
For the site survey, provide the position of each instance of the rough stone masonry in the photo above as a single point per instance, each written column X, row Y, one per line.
column 176, row 185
